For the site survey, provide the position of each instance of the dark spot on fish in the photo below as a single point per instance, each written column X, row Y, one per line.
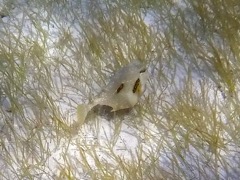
column 120, row 88
column 136, row 85
column 143, row 70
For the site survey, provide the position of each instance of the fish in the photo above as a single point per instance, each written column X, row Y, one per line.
column 123, row 91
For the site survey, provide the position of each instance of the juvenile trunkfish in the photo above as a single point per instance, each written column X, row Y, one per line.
column 122, row 92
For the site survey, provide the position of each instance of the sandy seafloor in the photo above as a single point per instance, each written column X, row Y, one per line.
column 129, row 139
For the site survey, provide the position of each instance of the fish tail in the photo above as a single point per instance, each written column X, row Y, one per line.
column 82, row 112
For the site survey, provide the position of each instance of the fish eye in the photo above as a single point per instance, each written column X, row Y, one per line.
column 120, row 88
column 143, row 70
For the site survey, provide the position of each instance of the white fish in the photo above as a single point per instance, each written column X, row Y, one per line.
column 122, row 92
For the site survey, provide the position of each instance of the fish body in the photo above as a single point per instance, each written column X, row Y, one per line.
column 123, row 90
